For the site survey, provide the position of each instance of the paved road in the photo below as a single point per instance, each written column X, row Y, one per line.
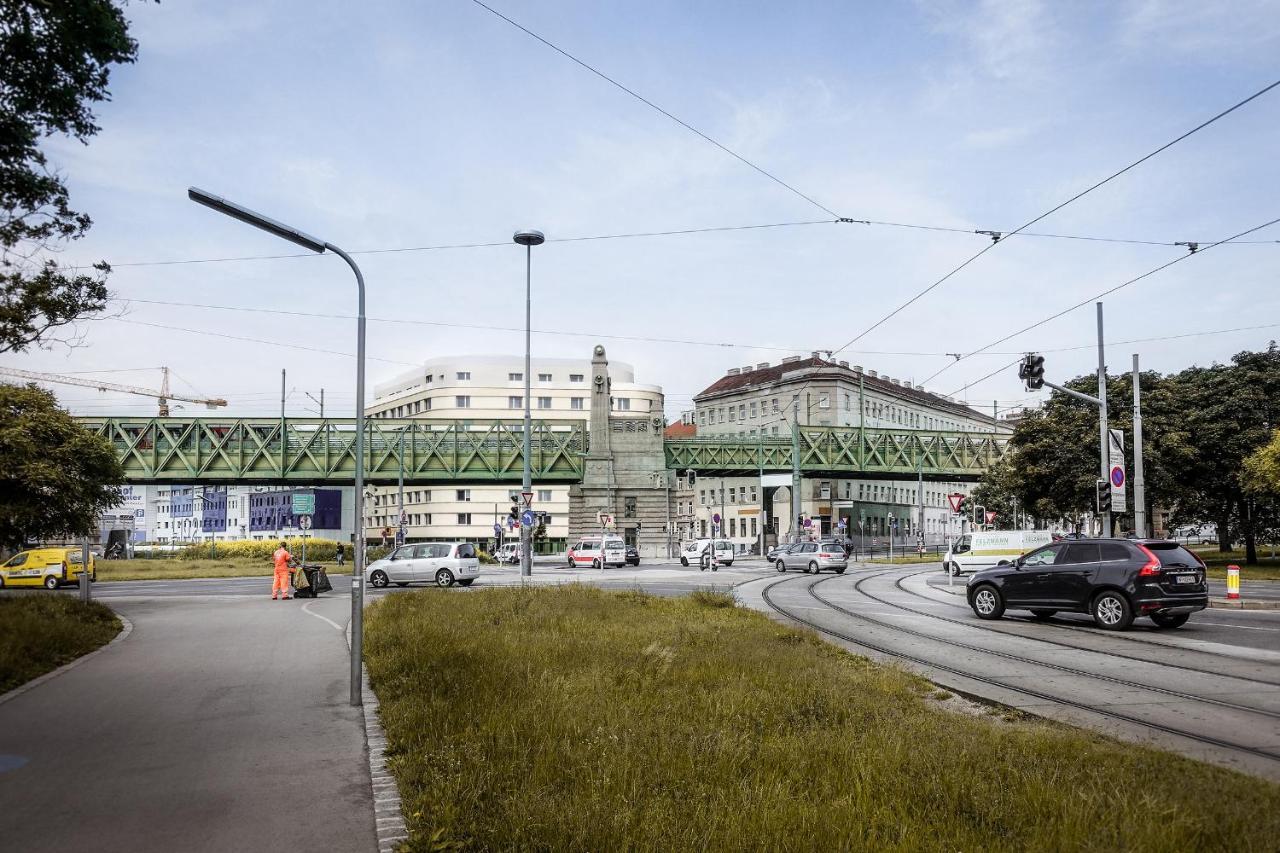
column 1210, row 689
column 214, row 726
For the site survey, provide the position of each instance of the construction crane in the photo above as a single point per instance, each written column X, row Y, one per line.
column 163, row 395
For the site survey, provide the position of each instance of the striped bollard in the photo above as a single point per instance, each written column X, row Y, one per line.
column 1233, row 582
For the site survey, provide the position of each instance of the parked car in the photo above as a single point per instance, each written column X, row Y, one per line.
column 46, row 567
column 1114, row 580
column 594, row 552
column 813, row 557
column 983, row 549
column 441, row 563
column 508, row 553
column 697, row 552
column 633, row 555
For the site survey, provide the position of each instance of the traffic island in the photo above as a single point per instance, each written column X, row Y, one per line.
column 41, row 631
column 575, row 718
column 1244, row 603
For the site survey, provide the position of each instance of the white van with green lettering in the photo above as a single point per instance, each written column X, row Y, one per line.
column 984, row 549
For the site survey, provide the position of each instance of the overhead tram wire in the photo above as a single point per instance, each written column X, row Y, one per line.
column 996, row 240
column 1098, row 296
column 734, row 154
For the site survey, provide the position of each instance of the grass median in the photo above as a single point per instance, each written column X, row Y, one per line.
column 1267, row 569
column 138, row 570
column 41, row 631
column 574, row 718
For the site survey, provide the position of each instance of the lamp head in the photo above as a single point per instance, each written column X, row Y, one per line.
column 257, row 220
column 529, row 238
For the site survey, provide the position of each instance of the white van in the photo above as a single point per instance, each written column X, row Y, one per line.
column 697, row 552
column 985, row 549
column 588, row 551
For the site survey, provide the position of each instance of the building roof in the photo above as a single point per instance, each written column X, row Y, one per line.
column 680, row 429
column 816, row 368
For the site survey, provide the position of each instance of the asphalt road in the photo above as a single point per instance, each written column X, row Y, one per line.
column 1210, row 690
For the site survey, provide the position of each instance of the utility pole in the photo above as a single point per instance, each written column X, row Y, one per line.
column 282, row 379
column 1139, row 485
column 1104, row 467
column 85, row 595
column 320, row 402
column 795, row 467
column 402, row 535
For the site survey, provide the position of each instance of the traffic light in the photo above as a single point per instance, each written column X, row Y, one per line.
column 693, row 477
column 1031, row 371
column 514, row 514
column 1104, row 496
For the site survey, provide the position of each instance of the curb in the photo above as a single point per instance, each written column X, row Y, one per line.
column 1244, row 604
column 125, row 630
column 388, row 820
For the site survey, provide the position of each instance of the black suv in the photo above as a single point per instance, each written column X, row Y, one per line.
column 1113, row 580
column 633, row 556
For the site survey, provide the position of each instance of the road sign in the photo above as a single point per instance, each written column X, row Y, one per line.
column 304, row 522
column 497, row 530
column 808, row 522
column 1116, row 475
column 528, row 498
column 303, row 504
column 991, row 517
column 715, row 519
column 400, row 536
column 526, row 518
column 956, row 501
column 842, row 525
column 604, row 518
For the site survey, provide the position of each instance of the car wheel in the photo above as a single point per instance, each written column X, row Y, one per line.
column 444, row 578
column 684, row 561
column 402, row 583
column 1043, row 614
column 987, row 602
column 570, row 562
column 595, row 564
column 1173, row 620
column 466, row 582
column 813, row 568
column 51, row 582
column 781, row 566
column 839, row 571
column 379, row 579
column 1111, row 611
column 953, row 570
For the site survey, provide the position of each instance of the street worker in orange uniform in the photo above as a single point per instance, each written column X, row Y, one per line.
column 281, row 558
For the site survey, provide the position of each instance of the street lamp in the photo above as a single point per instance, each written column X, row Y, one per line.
column 293, row 235
column 528, row 239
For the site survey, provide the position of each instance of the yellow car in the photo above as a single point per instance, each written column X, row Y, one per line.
column 46, row 567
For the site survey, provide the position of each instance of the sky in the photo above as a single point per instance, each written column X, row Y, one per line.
column 427, row 124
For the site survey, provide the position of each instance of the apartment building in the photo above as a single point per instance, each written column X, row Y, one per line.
column 487, row 388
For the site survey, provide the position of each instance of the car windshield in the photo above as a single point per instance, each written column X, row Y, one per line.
column 1173, row 554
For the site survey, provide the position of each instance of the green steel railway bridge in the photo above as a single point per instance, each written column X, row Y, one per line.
column 225, row 450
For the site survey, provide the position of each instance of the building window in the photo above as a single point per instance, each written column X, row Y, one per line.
column 544, row 402
column 824, row 401
column 622, row 404
column 428, row 378
column 464, row 495
column 629, row 507
column 742, row 411
column 427, row 496
column 575, row 377
column 515, row 402
column 753, row 526
column 702, row 418
column 774, row 406
column 753, row 409
column 733, row 527
column 575, row 403
column 426, row 404
column 753, row 494
column 721, row 413
column 463, row 375
column 462, row 401
column 544, row 495
column 515, row 377
column 544, row 377
column 732, row 414
column 733, row 494
column 702, row 496
column 464, row 518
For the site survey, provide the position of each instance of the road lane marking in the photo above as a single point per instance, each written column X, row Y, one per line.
column 306, row 608
column 1229, row 625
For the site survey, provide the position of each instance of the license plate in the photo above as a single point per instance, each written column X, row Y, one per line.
column 1185, row 579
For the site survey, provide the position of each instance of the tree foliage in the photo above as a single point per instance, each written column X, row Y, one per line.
column 56, row 477
column 55, row 61
column 1199, row 427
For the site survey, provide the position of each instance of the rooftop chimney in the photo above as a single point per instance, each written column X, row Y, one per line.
column 764, row 365
column 791, row 359
column 733, row 371
column 872, row 374
column 857, row 368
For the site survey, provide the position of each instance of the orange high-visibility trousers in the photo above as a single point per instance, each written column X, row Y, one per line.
column 281, row 582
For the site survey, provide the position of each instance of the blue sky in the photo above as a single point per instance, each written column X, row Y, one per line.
column 418, row 124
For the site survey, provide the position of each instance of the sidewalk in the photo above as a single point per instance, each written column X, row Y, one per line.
column 217, row 725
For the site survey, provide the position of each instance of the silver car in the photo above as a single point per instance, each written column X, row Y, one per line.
column 440, row 563
column 813, row 557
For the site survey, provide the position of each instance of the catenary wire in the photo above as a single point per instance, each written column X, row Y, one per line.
column 1056, row 208
column 1098, row 296
column 659, row 109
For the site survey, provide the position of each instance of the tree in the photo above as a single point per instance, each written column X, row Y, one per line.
column 1262, row 469
column 56, row 477
column 55, row 60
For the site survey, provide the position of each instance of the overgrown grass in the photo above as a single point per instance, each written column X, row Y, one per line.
column 136, row 570
column 570, row 718
column 41, row 631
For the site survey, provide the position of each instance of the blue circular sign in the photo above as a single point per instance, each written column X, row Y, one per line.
column 526, row 518
column 1117, row 477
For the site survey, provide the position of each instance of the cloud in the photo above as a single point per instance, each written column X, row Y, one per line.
column 1006, row 39
column 1203, row 28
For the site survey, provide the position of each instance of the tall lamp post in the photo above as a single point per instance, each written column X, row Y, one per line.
column 293, row 235
column 528, row 239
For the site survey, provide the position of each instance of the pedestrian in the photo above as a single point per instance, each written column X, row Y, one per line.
column 281, row 558
column 342, row 556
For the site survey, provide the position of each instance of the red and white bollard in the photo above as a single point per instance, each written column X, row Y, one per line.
column 1233, row 582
